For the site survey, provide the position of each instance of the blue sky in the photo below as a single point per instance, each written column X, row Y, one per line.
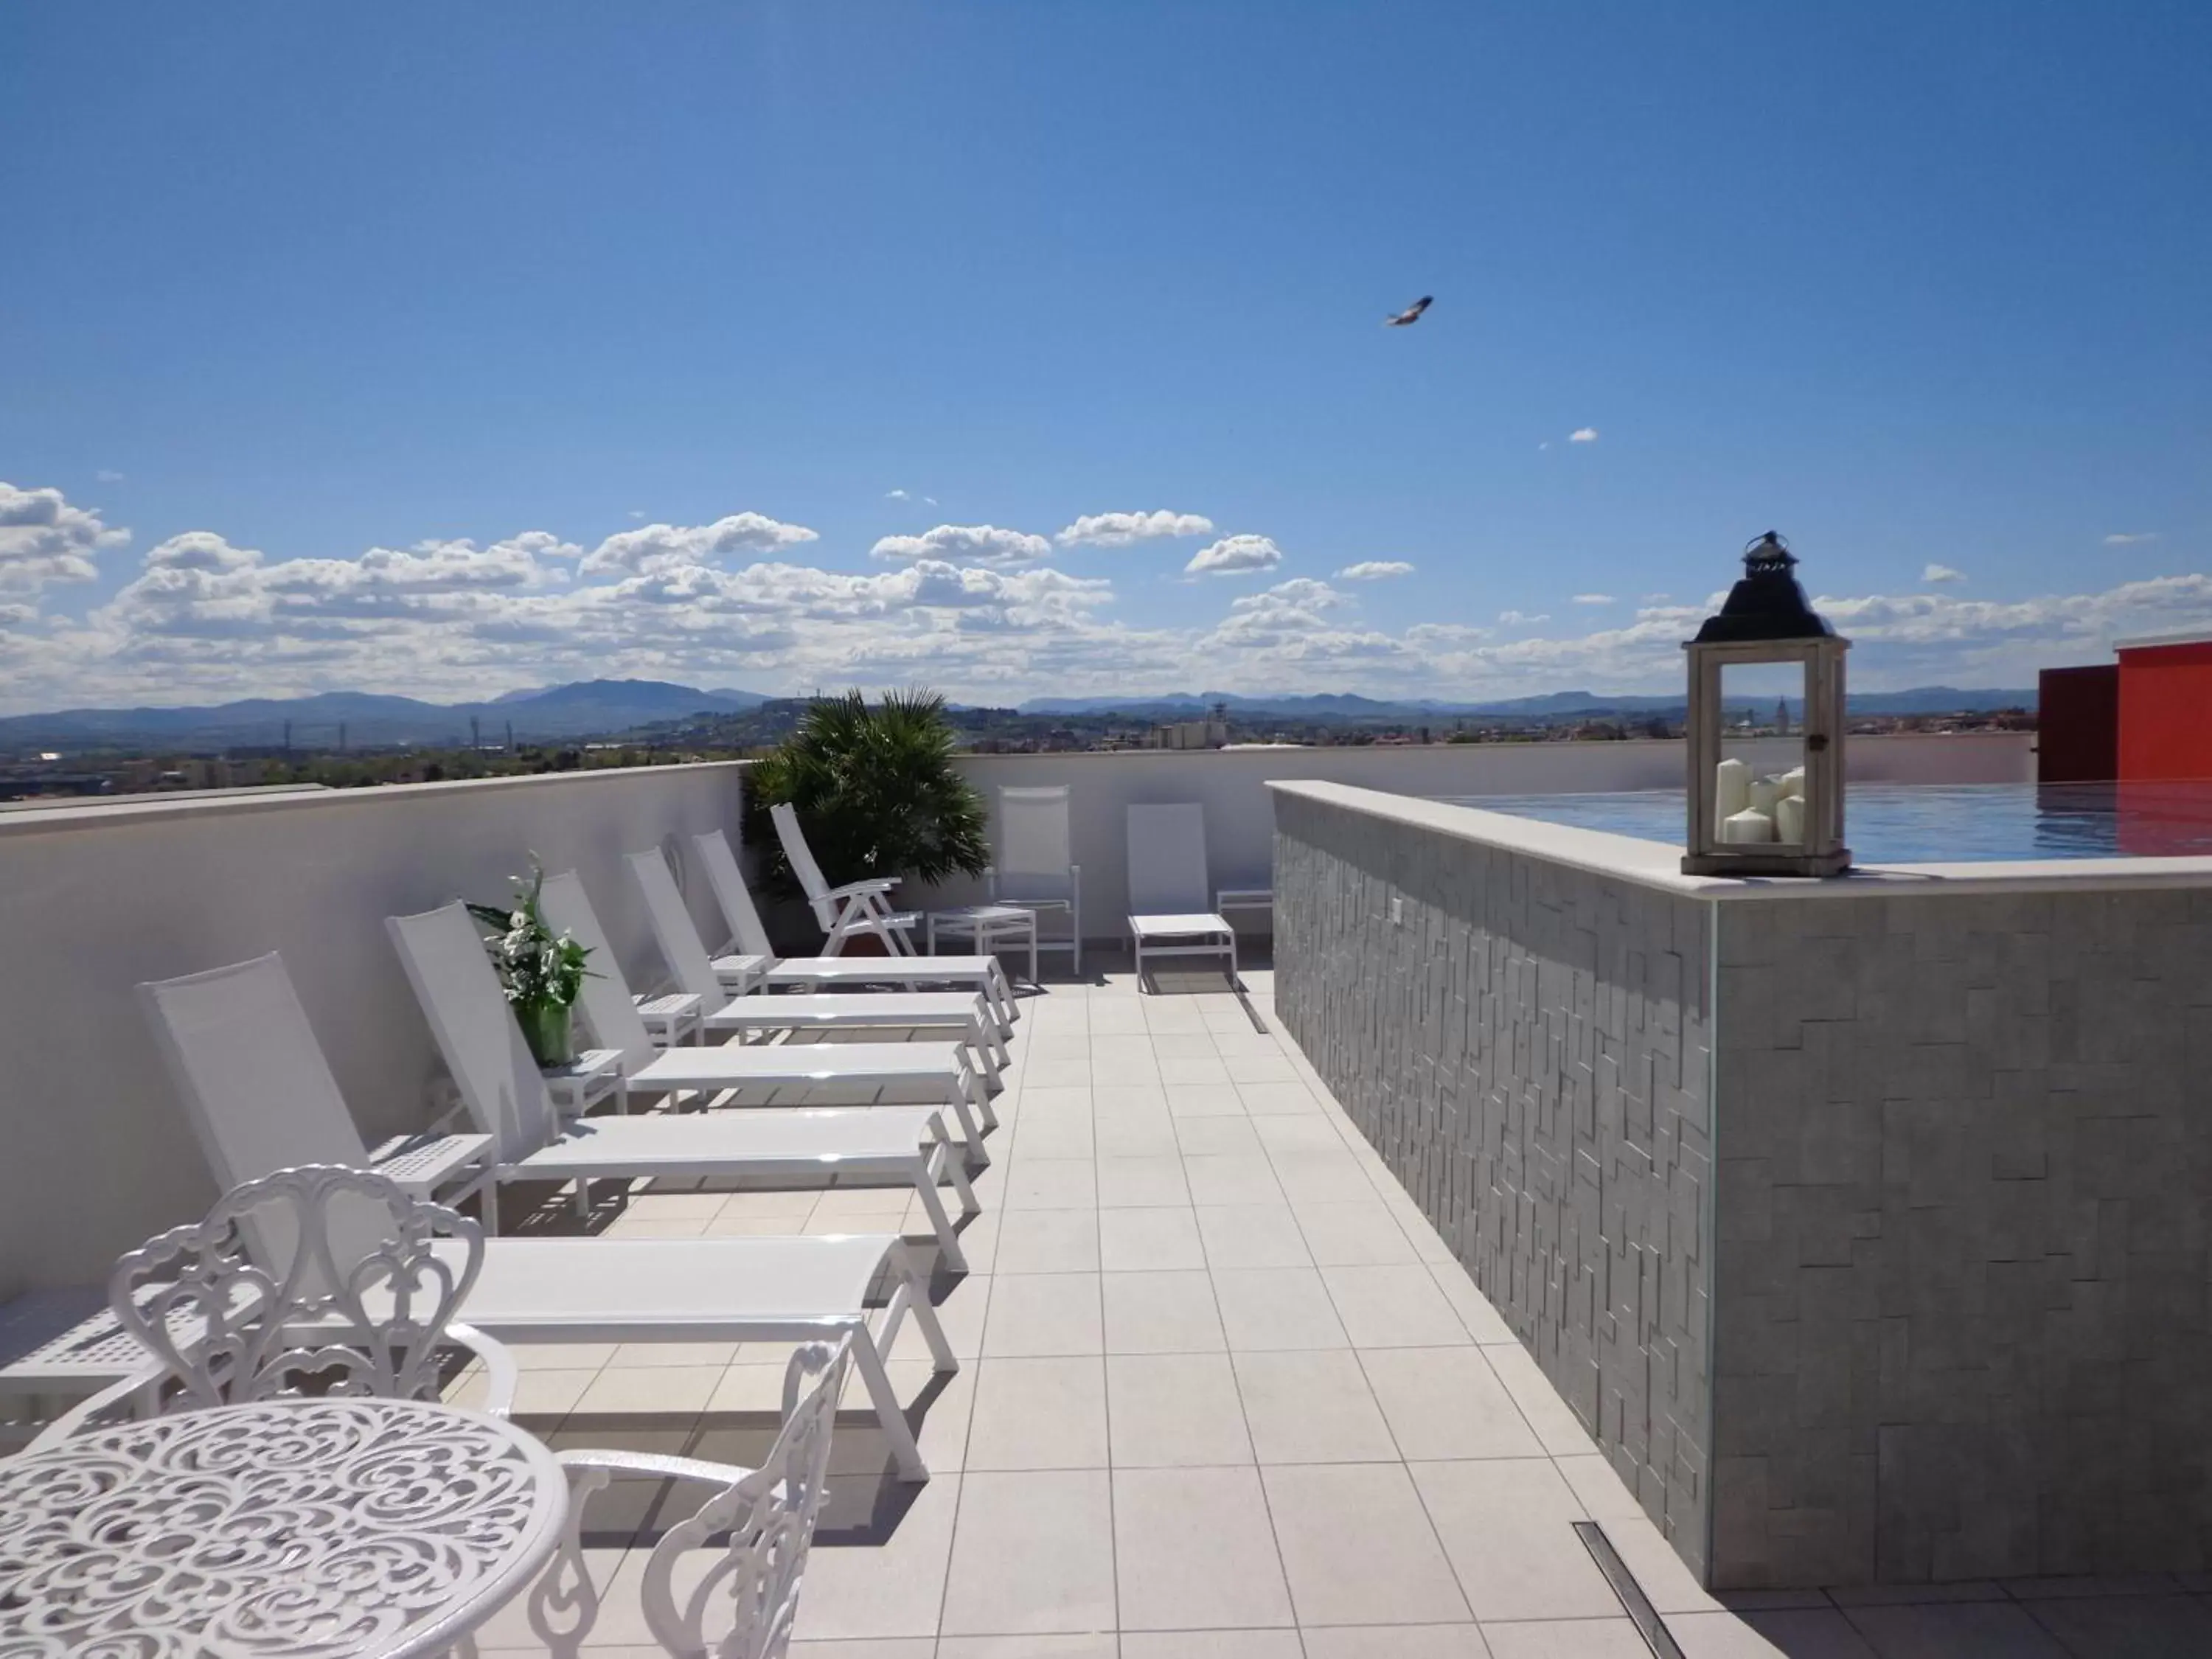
column 450, row 350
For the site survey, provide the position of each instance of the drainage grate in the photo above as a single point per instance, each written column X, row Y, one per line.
column 1656, row 1637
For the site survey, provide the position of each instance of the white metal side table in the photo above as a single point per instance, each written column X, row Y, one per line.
column 309, row 1529
column 986, row 926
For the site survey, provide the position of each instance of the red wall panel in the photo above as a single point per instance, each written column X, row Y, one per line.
column 2165, row 712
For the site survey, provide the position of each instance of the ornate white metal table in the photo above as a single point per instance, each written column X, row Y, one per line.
column 305, row 1527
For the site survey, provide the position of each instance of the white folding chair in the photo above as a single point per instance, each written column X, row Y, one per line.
column 857, row 908
column 1169, row 900
column 741, row 1603
column 261, row 1097
column 677, row 936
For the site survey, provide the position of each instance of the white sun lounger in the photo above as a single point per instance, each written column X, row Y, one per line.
column 1170, row 903
column 759, row 969
column 446, row 962
column 261, row 1098
column 867, row 1146
column 856, row 910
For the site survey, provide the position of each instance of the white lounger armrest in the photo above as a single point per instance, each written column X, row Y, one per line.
column 872, row 884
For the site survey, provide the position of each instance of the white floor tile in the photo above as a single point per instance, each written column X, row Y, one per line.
column 1038, row 1414
column 1312, row 1406
column 1174, row 1411
column 1195, row 1551
column 1033, row 1552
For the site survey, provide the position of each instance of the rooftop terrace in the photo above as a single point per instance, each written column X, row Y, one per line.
column 1225, row 1393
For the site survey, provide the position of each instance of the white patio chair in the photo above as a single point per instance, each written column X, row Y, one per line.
column 857, row 908
column 499, row 1083
column 754, row 1013
column 326, row 1273
column 1036, row 870
column 459, row 993
column 695, row 971
column 261, row 1097
column 741, row 1604
column 1169, row 898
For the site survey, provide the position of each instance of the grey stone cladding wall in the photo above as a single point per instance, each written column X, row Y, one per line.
column 1964, row 1191
column 1529, row 1048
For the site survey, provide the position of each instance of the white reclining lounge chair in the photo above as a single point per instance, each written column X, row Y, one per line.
column 1036, row 868
column 261, row 1098
column 1169, row 898
column 499, row 1083
column 803, row 1011
column 458, row 990
column 856, row 910
column 754, row 970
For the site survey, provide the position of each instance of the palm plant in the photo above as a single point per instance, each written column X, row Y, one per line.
column 875, row 789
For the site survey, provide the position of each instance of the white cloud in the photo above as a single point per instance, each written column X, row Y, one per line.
column 1942, row 573
column 107, row 475
column 2123, row 538
column 44, row 540
column 1234, row 554
column 1582, row 435
column 979, row 543
column 200, row 550
column 1522, row 618
column 1121, row 529
column 895, row 495
column 660, row 546
column 1656, row 598
column 1593, row 599
column 1374, row 571
column 637, row 513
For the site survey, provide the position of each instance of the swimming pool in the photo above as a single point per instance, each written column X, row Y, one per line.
column 1938, row 824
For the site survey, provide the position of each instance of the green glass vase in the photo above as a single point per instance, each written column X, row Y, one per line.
column 550, row 1029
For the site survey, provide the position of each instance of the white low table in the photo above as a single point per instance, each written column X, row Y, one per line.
column 1196, row 935
column 986, row 926
column 311, row 1528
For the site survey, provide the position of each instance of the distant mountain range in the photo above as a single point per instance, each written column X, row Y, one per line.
column 586, row 709
column 602, row 708
column 1182, row 705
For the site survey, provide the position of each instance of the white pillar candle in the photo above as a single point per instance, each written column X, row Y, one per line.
column 1793, row 782
column 1789, row 819
column 1748, row 825
column 1764, row 792
column 1731, row 789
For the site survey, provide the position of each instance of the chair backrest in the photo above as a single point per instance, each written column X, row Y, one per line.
column 275, row 1288
column 802, row 865
column 255, row 1085
column 673, row 930
column 744, row 1603
column 1167, row 861
column 739, row 914
column 443, row 951
column 1035, row 854
column 605, row 995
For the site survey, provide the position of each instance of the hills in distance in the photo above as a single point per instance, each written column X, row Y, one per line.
column 599, row 708
column 1184, row 705
column 581, row 709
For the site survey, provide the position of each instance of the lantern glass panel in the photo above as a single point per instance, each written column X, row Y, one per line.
column 1759, row 777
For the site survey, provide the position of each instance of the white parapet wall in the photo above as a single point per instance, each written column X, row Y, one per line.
column 1240, row 823
column 99, row 898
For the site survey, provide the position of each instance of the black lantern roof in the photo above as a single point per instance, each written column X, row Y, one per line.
column 1767, row 604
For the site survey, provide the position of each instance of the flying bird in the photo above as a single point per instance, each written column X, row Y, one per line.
column 1411, row 314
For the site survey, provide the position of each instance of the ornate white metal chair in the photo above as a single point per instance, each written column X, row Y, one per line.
column 321, row 1275
column 743, row 1604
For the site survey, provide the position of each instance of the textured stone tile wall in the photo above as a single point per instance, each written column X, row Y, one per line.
column 1965, row 1186
column 1529, row 1047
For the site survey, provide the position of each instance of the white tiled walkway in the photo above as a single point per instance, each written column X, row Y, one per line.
column 1223, row 1393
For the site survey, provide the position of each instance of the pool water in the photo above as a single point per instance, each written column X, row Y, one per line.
column 1938, row 824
